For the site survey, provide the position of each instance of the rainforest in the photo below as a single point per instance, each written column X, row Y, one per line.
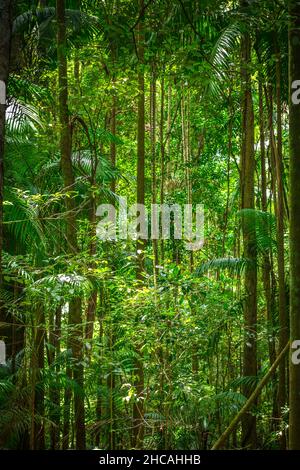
column 149, row 225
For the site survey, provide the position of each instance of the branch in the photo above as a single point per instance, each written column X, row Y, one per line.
column 141, row 14
column 251, row 399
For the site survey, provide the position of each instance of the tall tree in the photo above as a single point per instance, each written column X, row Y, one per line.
column 276, row 153
column 247, row 202
column 5, row 43
column 138, row 407
column 153, row 163
column 294, row 144
column 75, row 323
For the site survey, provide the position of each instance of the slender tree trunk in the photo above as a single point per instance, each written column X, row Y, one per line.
column 169, row 128
column 99, row 402
column 141, row 140
column 138, row 406
column 113, row 122
column 5, row 41
column 111, row 383
column 54, row 341
column 230, row 125
column 250, row 282
column 186, row 152
column 266, row 267
column 38, row 352
column 283, row 323
column 294, row 143
column 153, row 166
column 92, row 302
column 162, row 156
column 75, row 338
column 113, row 152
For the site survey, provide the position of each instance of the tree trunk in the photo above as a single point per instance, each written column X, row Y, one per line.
column 162, row 156
column 75, row 338
column 185, row 106
column 38, row 352
column 266, row 267
column 92, row 302
column 283, row 332
column 113, row 123
column 250, row 282
column 154, row 228
column 5, row 42
column 141, row 139
column 54, row 341
column 226, row 214
column 138, row 406
column 294, row 143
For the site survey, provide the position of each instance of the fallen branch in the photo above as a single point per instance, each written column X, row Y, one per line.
column 251, row 399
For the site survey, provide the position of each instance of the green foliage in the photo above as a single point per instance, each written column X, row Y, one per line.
column 179, row 322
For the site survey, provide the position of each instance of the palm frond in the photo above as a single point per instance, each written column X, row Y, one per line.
column 21, row 117
column 263, row 226
column 234, row 265
column 221, row 57
column 21, row 221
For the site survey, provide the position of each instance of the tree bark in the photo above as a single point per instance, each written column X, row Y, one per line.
column 283, row 324
column 5, row 43
column 153, row 165
column 54, row 341
column 162, row 156
column 113, row 123
column 138, row 406
column 294, row 145
column 38, row 352
column 75, row 322
column 266, row 267
column 141, row 138
column 250, row 281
